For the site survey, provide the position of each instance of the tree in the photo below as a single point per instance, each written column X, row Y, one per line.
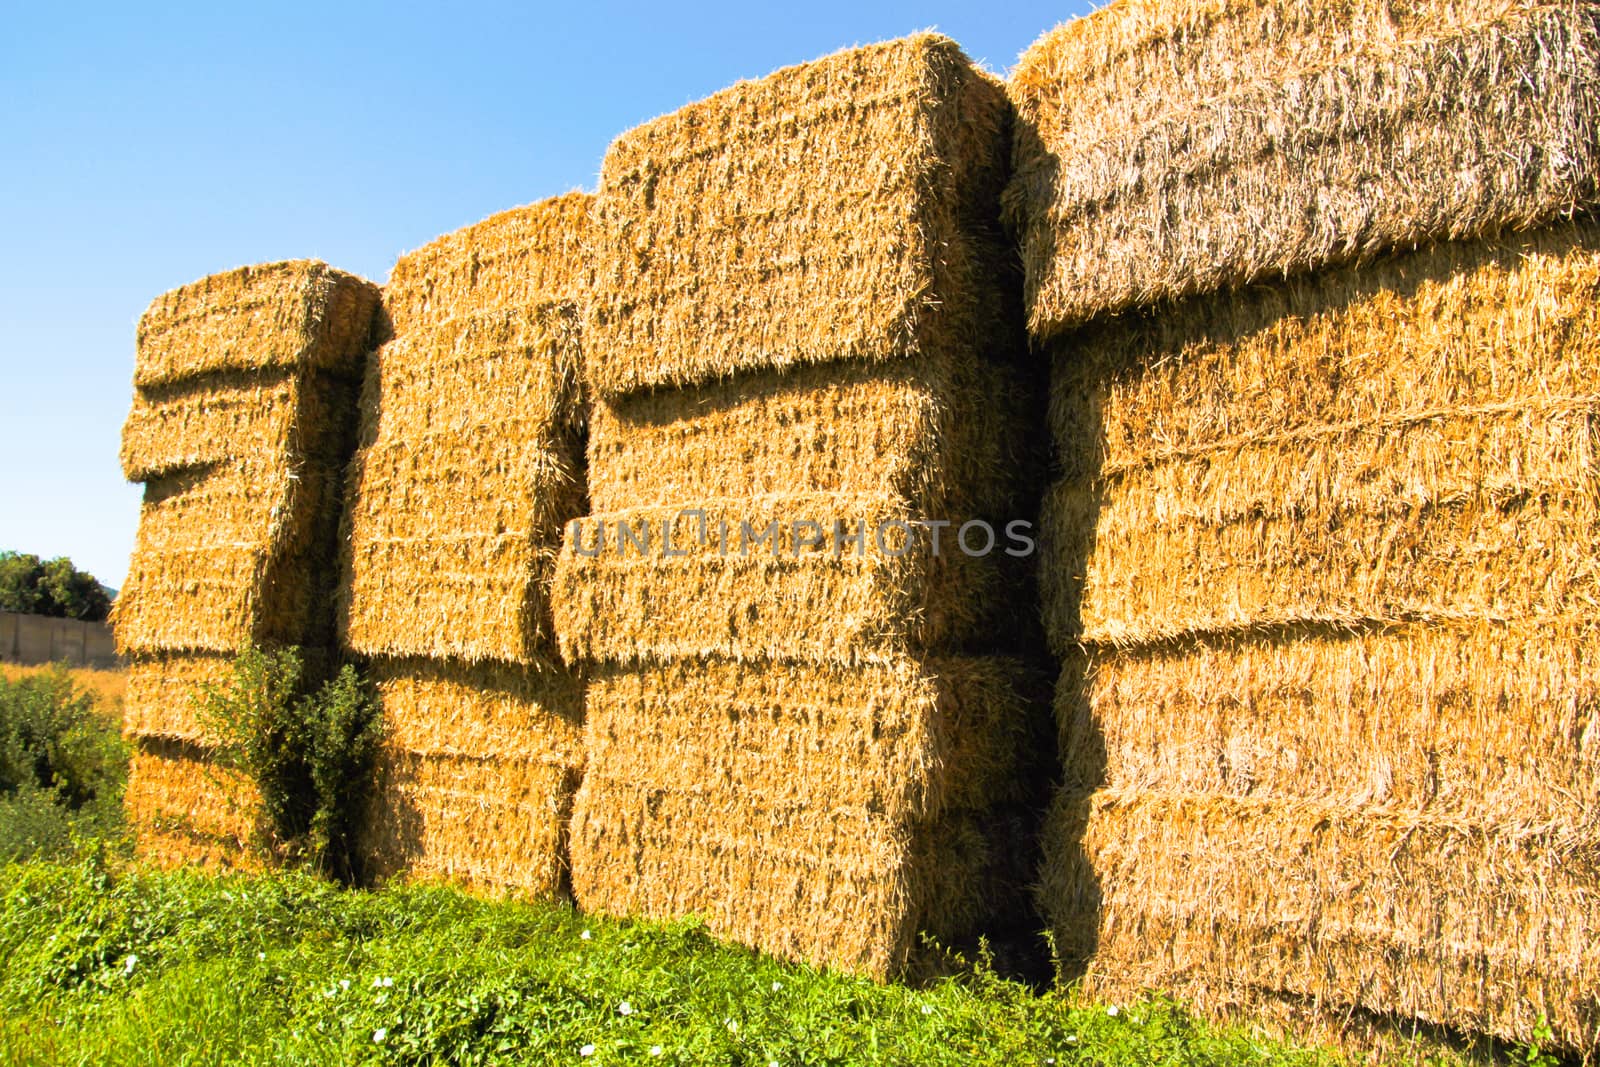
column 55, row 587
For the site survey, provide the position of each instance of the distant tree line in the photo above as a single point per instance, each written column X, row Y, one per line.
column 50, row 587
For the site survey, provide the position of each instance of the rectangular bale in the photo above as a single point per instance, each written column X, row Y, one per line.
column 845, row 888
column 1460, row 328
column 231, row 556
column 1476, row 926
column 529, row 255
column 1479, row 720
column 495, row 824
column 297, row 314
column 841, row 209
column 470, row 463
column 908, row 739
column 187, row 810
column 1315, row 134
column 165, row 693
column 814, row 577
column 947, row 434
column 1408, row 439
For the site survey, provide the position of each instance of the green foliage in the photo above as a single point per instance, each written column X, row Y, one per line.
column 63, row 766
column 309, row 753
column 283, row 968
column 50, row 587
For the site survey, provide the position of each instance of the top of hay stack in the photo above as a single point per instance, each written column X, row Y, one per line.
column 837, row 209
column 293, row 314
column 1173, row 148
column 528, row 255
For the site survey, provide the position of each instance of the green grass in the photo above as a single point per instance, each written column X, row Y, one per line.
column 101, row 966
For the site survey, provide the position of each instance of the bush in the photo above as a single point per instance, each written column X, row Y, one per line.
column 308, row 752
column 63, row 767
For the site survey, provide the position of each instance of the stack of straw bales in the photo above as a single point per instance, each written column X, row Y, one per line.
column 246, row 387
column 1322, row 559
column 800, row 317
column 470, row 462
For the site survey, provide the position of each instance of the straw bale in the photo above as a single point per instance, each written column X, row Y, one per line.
column 841, row 209
column 741, row 600
column 1411, row 439
column 482, row 711
column 1331, row 134
column 256, row 417
column 845, row 888
column 470, row 463
column 296, row 314
column 1530, row 554
column 907, row 739
column 1450, row 329
column 942, row 434
column 231, row 556
column 1485, row 720
column 163, row 691
column 496, row 824
column 187, row 810
column 1470, row 925
column 529, row 255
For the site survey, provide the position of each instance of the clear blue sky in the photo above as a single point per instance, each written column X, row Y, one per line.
column 141, row 149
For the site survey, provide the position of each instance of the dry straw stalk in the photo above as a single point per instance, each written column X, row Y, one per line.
column 1172, row 149
column 840, row 209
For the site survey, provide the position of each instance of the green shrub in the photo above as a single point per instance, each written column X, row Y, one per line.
column 63, row 767
column 308, row 752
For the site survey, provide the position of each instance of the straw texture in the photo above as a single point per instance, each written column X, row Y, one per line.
column 298, row 314
column 187, row 810
column 529, row 255
column 1321, row 569
column 1468, row 925
column 1172, row 149
column 841, row 209
column 470, row 462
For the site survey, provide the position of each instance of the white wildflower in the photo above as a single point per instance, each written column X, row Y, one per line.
column 128, row 964
column 655, row 1050
column 1113, row 1011
column 380, row 1034
column 261, row 955
column 927, row 1009
column 344, row 984
column 584, row 936
column 624, row 1008
column 776, row 986
column 388, row 983
column 586, row 1051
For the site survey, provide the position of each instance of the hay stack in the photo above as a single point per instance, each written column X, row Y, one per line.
column 801, row 316
column 1323, row 571
column 470, row 463
column 1175, row 147
column 242, row 419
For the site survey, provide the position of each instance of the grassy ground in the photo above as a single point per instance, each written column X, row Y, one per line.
column 107, row 687
column 141, row 967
